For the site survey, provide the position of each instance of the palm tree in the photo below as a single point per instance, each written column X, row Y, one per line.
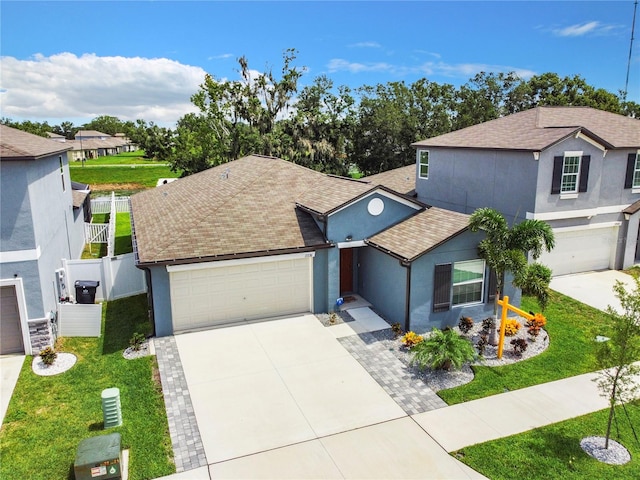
column 505, row 249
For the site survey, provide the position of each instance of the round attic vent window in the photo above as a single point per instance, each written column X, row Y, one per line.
column 376, row 206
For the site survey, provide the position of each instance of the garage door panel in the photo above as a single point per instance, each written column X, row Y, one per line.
column 10, row 329
column 208, row 297
column 582, row 250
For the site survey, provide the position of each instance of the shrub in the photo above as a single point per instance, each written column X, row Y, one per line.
column 136, row 341
column 535, row 324
column 488, row 324
column 511, row 327
column 443, row 349
column 465, row 324
column 411, row 339
column 48, row 355
column 519, row 345
column 482, row 344
column 396, row 329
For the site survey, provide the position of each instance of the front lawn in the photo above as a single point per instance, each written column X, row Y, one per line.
column 126, row 158
column 124, row 180
column 554, row 451
column 572, row 327
column 49, row 416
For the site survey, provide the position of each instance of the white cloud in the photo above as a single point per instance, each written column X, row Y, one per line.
column 65, row 87
column 588, row 28
column 222, row 56
column 365, row 45
column 339, row 64
column 465, row 70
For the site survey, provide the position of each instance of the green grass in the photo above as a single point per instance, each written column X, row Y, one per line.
column 554, row 452
column 127, row 158
column 571, row 326
column 123, row 234
column 121, row 178
column 49, row 416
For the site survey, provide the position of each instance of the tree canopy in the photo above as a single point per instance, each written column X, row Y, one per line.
column 334, row 128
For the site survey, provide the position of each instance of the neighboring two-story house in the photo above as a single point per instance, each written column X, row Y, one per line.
column 40, row 223
column 576, row 168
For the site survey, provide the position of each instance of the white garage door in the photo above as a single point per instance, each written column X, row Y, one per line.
column 10, row 330
column 235, row 291
column 582, row 250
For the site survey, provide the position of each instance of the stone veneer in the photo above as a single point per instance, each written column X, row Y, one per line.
column 40, row 335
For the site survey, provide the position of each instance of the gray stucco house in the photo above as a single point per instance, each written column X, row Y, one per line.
column 261, row 237
column 41, row 222
column 576, row 168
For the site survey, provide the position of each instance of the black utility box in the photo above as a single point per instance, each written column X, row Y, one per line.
column 86, row 291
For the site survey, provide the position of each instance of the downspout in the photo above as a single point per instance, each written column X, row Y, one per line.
column 152, row 318
column 407, row 305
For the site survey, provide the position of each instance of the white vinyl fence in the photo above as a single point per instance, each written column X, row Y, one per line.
column 118, row 276
column 79, row 320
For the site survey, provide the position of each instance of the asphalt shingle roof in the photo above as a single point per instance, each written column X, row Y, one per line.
column 419, row 234
column 401, row 180
column 245, row 207
column 542, row 127
column 18, row 145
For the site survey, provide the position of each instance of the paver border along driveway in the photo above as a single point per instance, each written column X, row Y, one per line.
column 283, row 399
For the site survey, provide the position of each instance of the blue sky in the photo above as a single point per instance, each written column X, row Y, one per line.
column 77, row 60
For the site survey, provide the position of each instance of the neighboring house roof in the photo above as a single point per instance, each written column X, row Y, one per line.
column 18, row 145
column 91, row 133
column 421, row 233
column 243, row 208
column 78, row 197
column 542, row 127
column 55, row 136
column 401, row 180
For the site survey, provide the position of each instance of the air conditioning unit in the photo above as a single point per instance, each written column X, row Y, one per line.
column 61, row 283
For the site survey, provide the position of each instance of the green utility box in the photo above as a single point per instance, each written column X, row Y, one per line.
column 98, row 458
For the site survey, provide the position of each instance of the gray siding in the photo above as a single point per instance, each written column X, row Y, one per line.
column 16, row 226
column 320, row 282
column 161, row 297
column 382, row 281
column 464, row 180
column 30, row 274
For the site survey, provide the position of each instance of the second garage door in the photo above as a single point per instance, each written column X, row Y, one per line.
column 10, row 330
column 206, row 297
column 582, row 250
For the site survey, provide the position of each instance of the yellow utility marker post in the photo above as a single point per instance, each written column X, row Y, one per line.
column 504, row 303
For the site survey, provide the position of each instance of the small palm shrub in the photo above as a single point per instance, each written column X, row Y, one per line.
column 511, row 327
column 48, row 355
column 411, row 339
column 482, row 344
column 136, row 341
column 465, row 324
column 443, row 349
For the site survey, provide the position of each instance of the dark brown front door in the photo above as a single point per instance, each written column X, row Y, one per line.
column 346, row 270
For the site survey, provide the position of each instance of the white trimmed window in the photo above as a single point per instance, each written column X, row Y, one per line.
column 636, row 172
column 62, row 173
column 468, row 282
column 570, row 174
column 423, row 163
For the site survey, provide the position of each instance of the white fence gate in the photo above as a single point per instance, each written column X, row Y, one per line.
column 79, row 320
column 106, row 232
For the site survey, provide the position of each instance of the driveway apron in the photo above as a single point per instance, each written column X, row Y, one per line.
column 285, row 398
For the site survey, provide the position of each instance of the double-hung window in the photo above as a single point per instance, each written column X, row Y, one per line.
column 468, row 282
column 570, row 174
column 458, row 284
column 423, row 163
column 632, row 179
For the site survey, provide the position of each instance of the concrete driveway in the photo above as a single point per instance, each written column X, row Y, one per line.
column 283, row 399
column 10, row 366
column 593, row 288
